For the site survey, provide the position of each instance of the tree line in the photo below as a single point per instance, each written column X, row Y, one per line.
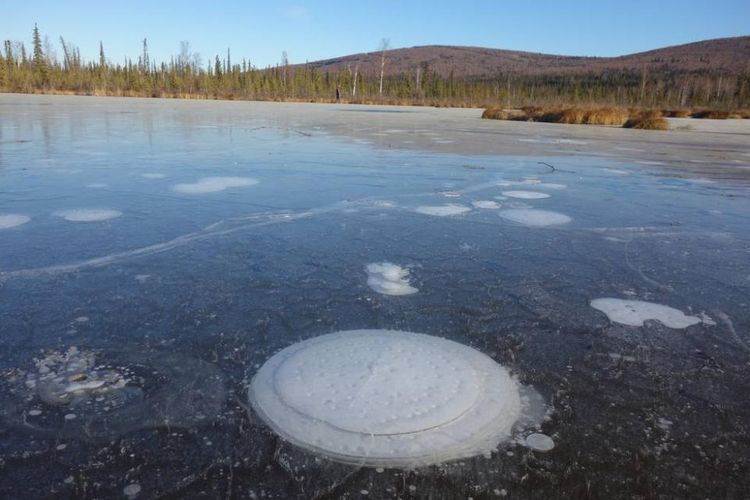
column 186, row 75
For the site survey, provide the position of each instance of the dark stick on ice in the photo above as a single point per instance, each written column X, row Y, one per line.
column 553, row 167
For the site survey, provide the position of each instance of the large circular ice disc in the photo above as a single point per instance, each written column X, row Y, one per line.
column 391, row 383
column 386, row 398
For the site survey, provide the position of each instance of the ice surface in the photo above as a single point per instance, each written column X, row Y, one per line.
column 88, row 214
column 389, row 279
column 387, row 398
column 214, row 184
column 443, row 210
column 533, row 217
column 87, row 394
column 525, row 195
column 153, row 175
column 635, row 312
column 13, row 220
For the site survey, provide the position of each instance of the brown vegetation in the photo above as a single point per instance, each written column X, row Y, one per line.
column 569, row 115
column 647, row 120
column 711, row 114
column 676, row 113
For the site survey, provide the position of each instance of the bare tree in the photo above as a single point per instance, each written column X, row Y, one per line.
column 385, row 44
column 284, row 63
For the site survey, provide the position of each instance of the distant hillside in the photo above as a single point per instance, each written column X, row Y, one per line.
column 725, row 55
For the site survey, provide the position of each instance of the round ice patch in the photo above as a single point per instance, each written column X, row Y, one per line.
column 386, row 398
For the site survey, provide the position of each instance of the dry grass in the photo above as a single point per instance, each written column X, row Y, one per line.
column 711, row 114
column 571, row 115
column 647, row 120
column 676, row 113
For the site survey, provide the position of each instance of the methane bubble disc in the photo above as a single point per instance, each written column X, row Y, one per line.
column 214, row 185
column 525, row 195
column 13, row 220
column 88, row 214
column 388, row 398
column 389, row 279
column 635, row 312
column 443, row 210
column 95, row 395
column 534, row 218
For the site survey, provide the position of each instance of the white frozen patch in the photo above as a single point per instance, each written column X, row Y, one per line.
column 450, row 194
column 13, row 220
column 533, row 217
column 96, row 185
column 645, row 162
column 153, row 176
column 131, row 490
column 214, row 184
column 635, row 312
column 389, row 279
column 551, row 185
column 142, row 278
column 387, row 398
column 526, row 195
column 636, row 150
column 531, row 180
column 707, row 320
column 539, row 442
column 88, row 214
column 443, row 210
column 488, row 204
column 615, row 171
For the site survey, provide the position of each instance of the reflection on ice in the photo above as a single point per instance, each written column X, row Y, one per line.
column 214, row 184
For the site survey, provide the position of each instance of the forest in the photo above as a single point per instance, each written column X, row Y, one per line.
column 187, row 75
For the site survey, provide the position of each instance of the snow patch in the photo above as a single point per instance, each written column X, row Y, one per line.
column 443, row 210
column 535, row 218
column 13, row 220
column 635, row 312
column 525, row 195
column 389, row 279
column 214, row 185
column 88, row 214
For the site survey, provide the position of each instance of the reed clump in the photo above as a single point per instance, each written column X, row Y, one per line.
column 571, row 115
column 676, row 113
column 711, row 114
column 647, row 120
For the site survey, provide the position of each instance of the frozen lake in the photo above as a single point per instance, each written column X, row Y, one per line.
column 172, row 247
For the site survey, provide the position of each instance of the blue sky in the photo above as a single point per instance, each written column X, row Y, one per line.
column 312, row 30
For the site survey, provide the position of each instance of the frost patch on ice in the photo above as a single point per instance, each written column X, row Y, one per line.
column 551, row 185
column 88, row 214
column 526, row 195
column 153, row 176
column 635, row 312
column 214, row 185
column 539, row 442
column 450, row 194
column 97, row 185
column 443, row 210
column 646, row 162
column 487, row 204
column 142, row 278
column 389, row 279
column 13, row 220
column 616, row 171
column 386, row 398
column 535, row 218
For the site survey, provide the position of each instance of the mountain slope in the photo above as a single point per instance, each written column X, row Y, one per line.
column 727, row 55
